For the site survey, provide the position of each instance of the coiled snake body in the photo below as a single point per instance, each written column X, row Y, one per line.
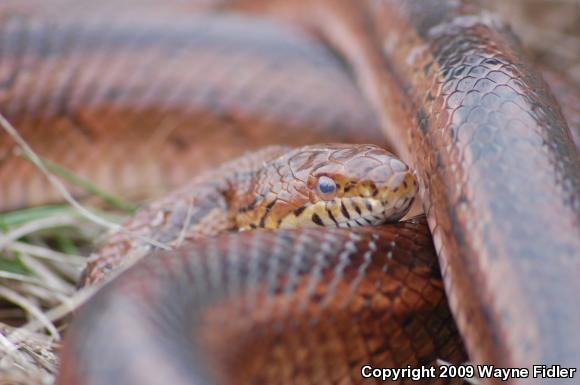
column 497, row 169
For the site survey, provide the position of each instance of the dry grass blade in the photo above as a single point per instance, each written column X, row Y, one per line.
column 29, row 362
column 46, row 274
column 31, row 308
column 183, row 231
column 45, row 253
column 54, row 314
column 24, row 279
column 34, row 226
column 67, row 196
column 34, row 158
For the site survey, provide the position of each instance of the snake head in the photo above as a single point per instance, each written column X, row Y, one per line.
column 339, row 185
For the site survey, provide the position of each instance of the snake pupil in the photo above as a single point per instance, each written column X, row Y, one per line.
column 326, row 187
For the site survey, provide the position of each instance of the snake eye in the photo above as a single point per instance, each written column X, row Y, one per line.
column 326, row 188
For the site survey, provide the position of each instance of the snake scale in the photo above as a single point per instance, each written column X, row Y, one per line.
column 455, row 97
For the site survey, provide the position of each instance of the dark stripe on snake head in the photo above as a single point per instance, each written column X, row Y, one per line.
column 331, row 216
column 316, row 219
column 344, row 210
column 299, row 210
column 357, row 208
column 263, row 219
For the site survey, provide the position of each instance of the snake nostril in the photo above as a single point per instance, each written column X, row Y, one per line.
column 396, row 181
column 397, row 165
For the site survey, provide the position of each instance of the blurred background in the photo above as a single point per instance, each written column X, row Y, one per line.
column 549, row 28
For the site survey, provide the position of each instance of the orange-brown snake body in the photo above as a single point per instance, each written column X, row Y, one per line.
column 497, row 166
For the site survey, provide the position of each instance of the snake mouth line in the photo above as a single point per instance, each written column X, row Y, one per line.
column 348, row 212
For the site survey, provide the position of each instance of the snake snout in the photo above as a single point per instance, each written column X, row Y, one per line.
column 398, row 192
